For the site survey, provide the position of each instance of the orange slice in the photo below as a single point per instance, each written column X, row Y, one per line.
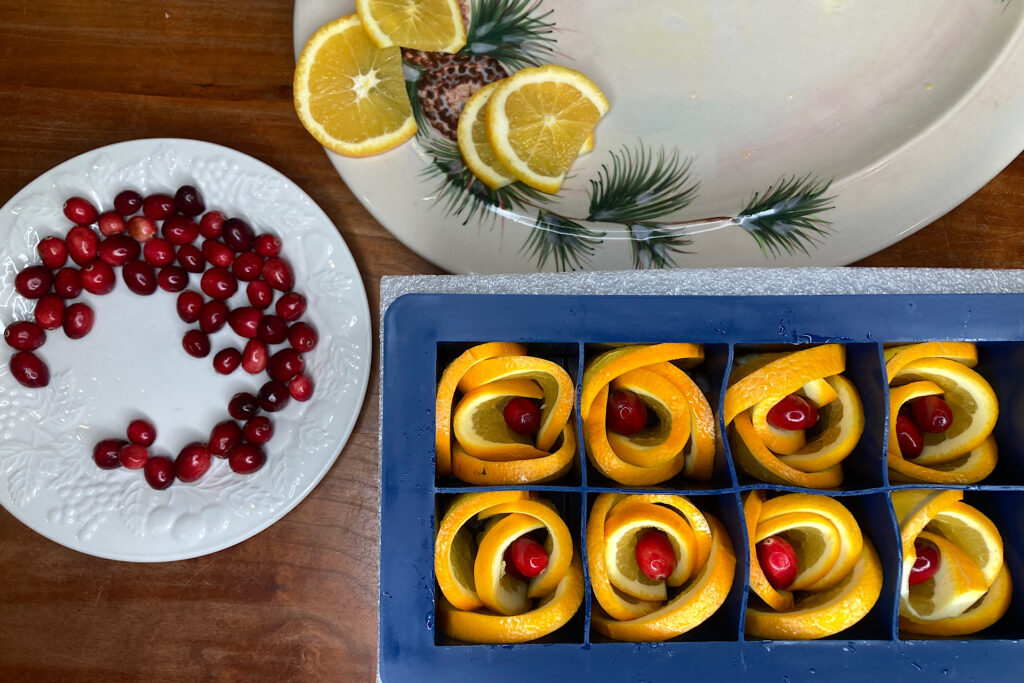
column 704, row 570
column 431, row 25
column 963, row 454
column 784, row 456
column 445, row 401
column 971, row 589
column 683, row 437
column 839, row 578
column 350, row 94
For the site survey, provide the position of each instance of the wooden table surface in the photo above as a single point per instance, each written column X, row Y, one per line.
column 297, row 601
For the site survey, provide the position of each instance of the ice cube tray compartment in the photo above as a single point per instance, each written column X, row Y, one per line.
column 422, row 331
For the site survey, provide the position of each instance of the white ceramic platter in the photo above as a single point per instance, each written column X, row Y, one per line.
column 906, row 108
column 132, row 365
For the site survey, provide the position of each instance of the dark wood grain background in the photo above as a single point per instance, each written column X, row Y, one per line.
column 298, row 601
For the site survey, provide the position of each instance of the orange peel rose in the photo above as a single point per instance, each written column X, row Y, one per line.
column 798, row 457
column 633, row 607
column 472, row 439
column 839, row 575
column 482, row 602
column 683, row 437
column 971, row 589
column 966, row 452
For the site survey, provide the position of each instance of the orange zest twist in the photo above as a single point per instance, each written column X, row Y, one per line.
column 966, row 452
column 798, row 457
column 635, row 608
column 971, row 590
column 683, row 438
column 480, row 601
column 484, row 450
column 839, row 575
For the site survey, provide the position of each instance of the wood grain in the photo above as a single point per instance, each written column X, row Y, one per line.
column 298, row 601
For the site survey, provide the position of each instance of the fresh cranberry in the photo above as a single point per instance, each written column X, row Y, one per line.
column 793, row 412
column 908, row 436
column 179, row 230
column 218, row 283
column 106, row 453
column 49, row 313
column 141, row 228
column 267, row 245
column 140, row 277
column 212, row 224
column 260, row 293
column 118, row 250
column 926, row 564
column 192, row 462
column 67, row 283
column 246, row 458
column 78, row 320
column 189, row 304
column 300, row 387
column 272, row 329
column 778, row 561
column 627, row 414
column 243, row 406
column 213, row 316
column 245, row 321
column 191, row 258
column 33, row 282
column 255, row 356
column 141, row 432
column 157, row 207
column 223, row 437
column 127, row 202
column 287, row 363
column 196, row 343
column 30, row 370
column 654, row 555
column 133, row 456
column 303, row 338
column 227, row 361
column 237, row 234
column 291, row 306
column 53, row 252
column 931, row 414
column 258, row 430
column 82, row 244
column 525, row 558
column 80, row 211
column 97, row 277
column 159, row 472
column 248, row 266
column 158, row 252
column 521, row 414
column 218, row 253
column 278, row 274
column 111, row 223
column 189, row 201
column 273, row 396
column 172, row 279
column 24, row 335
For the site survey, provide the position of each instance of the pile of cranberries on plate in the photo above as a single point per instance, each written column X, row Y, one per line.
column 225, row 275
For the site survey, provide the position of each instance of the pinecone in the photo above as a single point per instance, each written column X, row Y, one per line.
column 448, row 81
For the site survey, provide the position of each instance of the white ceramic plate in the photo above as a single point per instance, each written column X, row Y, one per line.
column 906, row 107
column 132, row 365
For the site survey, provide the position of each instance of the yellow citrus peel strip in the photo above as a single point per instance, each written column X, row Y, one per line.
column 972, row 588
column 839, row 574
column 965, row 453
column 480, row 602
column 704, row 571
column 797, row 457
column 682, row 440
